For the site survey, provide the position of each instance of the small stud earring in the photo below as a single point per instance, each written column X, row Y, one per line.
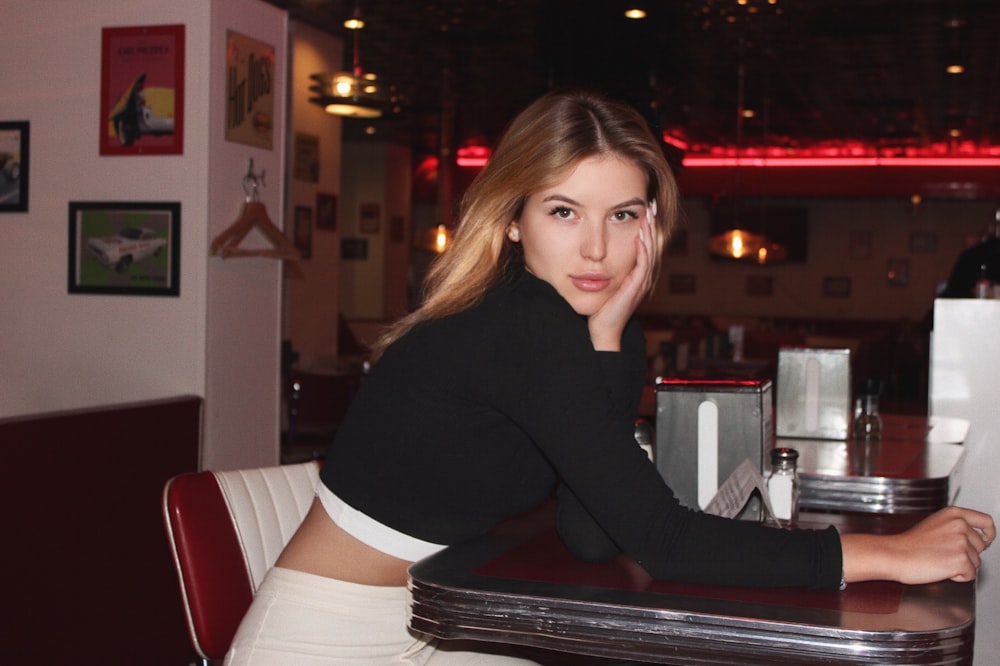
column 513, row 235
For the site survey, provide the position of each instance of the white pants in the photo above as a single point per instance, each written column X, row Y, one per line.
column 298, row 618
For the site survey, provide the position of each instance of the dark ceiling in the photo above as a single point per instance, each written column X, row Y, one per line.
column 816, row 72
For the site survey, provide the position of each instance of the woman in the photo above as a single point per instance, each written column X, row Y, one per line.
column 519, row 376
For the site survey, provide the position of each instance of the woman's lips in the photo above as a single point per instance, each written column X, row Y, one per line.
column 590, row 282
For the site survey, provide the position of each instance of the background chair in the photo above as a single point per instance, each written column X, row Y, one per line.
column 225, row 530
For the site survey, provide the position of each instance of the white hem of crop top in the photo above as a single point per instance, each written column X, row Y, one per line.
column 371, row 532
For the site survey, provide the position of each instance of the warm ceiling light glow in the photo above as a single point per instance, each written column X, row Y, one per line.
column 955, row 69
column 748, row 113
column 441, row 239
column 354, row 23
column 347, row 94
column 635, row 13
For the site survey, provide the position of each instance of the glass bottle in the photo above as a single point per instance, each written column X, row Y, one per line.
column 984, row 286
column 783, row 484
column 868, row 423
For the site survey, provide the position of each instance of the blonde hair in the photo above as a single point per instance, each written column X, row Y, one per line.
column 537, row 150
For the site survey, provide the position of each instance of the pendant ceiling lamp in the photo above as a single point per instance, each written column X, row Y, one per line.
column 355, row 94
column 737, row 241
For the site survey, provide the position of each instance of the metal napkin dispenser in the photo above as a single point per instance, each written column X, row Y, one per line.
column 814, row 393
column 705, row 430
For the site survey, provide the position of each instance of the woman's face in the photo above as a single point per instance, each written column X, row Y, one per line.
column 579, row 234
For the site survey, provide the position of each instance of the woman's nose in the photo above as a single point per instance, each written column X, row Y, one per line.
column 595, row 242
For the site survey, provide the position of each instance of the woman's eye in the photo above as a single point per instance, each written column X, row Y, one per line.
column 562, row 212
column 625, row 216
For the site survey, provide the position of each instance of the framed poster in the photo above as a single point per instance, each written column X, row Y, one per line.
column 861, row 245
column 249, row 91
column 306, row 157
column 303, row 230
column 898, row 272
column 124, row 247
column 760, row 285
column 369, row 223
column 142, row 90
column 14, row 153
column 837, row 286
column 923, row 242
column 681, row 283
column 326, row 211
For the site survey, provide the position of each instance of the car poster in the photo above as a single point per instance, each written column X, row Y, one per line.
column 249, row 91
column 124, row 247
column 142, row 90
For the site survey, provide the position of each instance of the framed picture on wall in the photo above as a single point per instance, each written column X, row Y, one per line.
column 303, row 231
column 14, row 154
column 369, row 220
column 923, row 242
column 682, row 283
column 125, row 248
column 760, row 285
column 250, row 99
column 837, row 286
column 326, row 211
column 860, row 245
column 898, row 272
column 142, row 90
column 306, row 157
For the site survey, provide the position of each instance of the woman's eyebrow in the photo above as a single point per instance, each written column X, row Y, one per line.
column 635, row 201
column 561, row 197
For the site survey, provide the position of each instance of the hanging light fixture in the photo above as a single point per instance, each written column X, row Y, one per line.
column 434, row 239
column 355, row 94
column 736, row 241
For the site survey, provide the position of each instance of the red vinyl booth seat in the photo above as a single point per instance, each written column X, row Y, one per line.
column 226, row 529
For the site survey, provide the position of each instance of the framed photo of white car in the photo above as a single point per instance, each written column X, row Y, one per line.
column 124, row 248
column 14, row 166
column 142, row 90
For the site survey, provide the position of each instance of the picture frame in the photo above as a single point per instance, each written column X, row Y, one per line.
column 860, row 245
column 124, row 248
column 837, row 286
column 14, row 166
column 306, row 161
column 760, row 285
column 898, row 272
column 303, row 231
column 368, row 222
column 923, row 242
column 354, row 249
column 142, row 90
column 326, row 211
column 397, row 229
column 250, row 67
column 682, row 283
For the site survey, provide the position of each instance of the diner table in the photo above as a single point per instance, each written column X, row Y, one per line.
column 520, row 585
column 915, row 467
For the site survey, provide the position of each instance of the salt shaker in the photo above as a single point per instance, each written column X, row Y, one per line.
column 783, row 484
column 868, row 423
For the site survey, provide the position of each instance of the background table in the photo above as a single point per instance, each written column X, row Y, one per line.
column 520, row 585
column 914, row 468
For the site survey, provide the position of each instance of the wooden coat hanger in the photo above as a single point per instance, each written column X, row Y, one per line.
column 254, row 216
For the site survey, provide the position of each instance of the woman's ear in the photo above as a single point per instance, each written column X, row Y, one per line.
column 513, row 232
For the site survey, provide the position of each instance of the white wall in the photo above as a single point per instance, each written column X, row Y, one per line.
column 965, row 364
column 721, row 286
column 312, row 304
column 219, row 338
column 243, row 338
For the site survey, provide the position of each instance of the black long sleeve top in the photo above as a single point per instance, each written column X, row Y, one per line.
column 471, row 419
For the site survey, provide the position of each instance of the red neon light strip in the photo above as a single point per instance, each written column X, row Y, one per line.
column 800, row 162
